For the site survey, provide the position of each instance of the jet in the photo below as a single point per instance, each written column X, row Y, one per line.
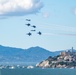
column 34, row 26
column 29, row 34
column 28, row 24
column 39, row 33
column 28, row 20
column 33, row 30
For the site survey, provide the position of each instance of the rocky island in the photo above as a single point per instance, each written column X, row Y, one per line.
column 66, row 59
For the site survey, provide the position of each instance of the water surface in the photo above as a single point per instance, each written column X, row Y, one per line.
column 38, row 71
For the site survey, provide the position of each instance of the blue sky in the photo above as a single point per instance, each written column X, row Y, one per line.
column 56, row 20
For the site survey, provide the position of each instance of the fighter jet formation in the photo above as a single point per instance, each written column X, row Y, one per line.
column 39, row 33
column 32, row 30
column 34, row 26
column 28, row 20
column 28, row 24
column 29, row 34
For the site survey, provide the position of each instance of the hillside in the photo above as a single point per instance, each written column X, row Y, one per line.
column 33, row 54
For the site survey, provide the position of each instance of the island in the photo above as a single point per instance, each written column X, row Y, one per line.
column 66, row 59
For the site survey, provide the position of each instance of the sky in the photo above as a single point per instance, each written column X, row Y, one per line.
column 56, row 19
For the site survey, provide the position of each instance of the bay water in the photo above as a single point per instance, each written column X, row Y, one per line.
column 38, row 71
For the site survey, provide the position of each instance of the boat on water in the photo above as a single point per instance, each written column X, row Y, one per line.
column 30, row 67
column 72, row 67
column 11, row 67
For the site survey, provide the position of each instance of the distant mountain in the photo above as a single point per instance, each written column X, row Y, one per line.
column 33, row 54
column 38, row 53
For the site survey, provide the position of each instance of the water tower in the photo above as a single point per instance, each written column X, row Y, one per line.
column 72, row 49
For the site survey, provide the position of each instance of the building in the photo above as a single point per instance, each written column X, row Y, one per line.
column 69, row 52
column 63, row 53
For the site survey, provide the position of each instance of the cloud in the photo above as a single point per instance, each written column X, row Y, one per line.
column 19, row 7
column 45, row 15
column 74, row 11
